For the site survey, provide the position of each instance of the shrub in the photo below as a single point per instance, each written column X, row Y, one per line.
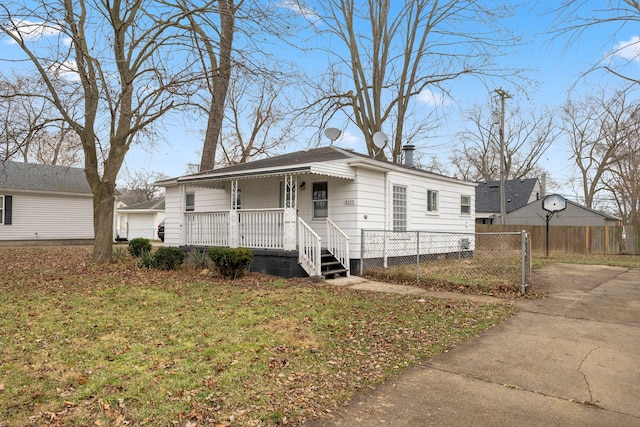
column 119, row 254
column 145, row 260
column 168, row 258
column 231, row 262
column 139, row 245
column 199, row 260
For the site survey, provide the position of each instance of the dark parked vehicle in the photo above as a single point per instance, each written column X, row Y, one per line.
column 161, row 230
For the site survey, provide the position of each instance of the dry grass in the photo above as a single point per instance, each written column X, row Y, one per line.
column 85, row 344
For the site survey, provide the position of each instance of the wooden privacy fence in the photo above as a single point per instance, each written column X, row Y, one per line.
column 612, row 240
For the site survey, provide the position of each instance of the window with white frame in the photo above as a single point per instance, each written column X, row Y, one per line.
column 190, row 202
column 399, row 208
column 465, row 205
column 320, row 198
column 432, row 201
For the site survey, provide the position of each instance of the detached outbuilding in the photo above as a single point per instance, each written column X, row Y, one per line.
column 298, row 209
column 44, row 204
column 573, row 215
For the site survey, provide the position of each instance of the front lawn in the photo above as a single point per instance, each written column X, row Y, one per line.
column 82, row 344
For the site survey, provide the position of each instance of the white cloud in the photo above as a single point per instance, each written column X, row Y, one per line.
column 33, row 31
column 628, row 49
column 430, row 98
column 67, row 70
column 301, row 10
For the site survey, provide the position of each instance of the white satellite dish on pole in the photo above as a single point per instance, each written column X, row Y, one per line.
column 380, row 141
column 332, row 133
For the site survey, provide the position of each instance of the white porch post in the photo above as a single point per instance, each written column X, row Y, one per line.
column 233, row 216
column 290, row 203
column 182, row 194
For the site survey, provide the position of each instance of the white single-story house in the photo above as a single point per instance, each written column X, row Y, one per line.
column 573, row 215
column 44, row 204
column 303, row 213
column 139, row 220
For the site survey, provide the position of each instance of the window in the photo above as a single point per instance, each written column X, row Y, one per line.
column 239, row 198
column 320, row 197
column 432, row 201
column 399, row 208
column 190, row 202
column 5, row 209
column 465, row 205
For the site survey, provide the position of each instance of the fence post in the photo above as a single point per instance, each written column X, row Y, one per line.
column 417, row 256
column 361, row 251
column 523, row 258
column 384, row 248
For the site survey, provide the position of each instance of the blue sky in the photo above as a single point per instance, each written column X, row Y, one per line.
column 554, row 64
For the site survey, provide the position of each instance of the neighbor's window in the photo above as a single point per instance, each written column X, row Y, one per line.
column 1, row 209
column 190, row 202
column 320, row 196
column 399, row 208
column 465, row 205
column 432, row 201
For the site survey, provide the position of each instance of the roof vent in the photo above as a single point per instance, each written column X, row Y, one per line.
column 408, row 154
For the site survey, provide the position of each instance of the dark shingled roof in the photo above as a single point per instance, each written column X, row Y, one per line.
column 150, row 205
column 322, row 154
column 517, row 193
column 33, row 177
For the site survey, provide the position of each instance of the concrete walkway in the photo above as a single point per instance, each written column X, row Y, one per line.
column 570, row 359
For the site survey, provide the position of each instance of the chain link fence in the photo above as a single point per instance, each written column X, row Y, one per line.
column 471, row 259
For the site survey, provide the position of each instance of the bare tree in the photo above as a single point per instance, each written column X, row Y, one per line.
column 117, row 59
column 386, row 56
column 597, row 127
column 257, row 121
column 139, row 186
column 527, row 137
column 574, row 19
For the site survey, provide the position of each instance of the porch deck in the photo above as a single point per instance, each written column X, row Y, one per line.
column 275, row 236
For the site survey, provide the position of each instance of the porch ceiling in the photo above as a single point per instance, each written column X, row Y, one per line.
column 214, row 180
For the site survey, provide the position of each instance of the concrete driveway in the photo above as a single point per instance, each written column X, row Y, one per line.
column 570, row 359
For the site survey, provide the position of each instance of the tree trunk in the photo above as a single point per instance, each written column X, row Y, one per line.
column 103, row 206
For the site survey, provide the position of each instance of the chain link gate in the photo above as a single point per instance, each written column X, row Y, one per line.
column 481, row 259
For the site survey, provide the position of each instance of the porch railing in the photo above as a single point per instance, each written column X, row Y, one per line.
column 309, row 249
column 207, row 228
column 261, row 228
column 338, row 243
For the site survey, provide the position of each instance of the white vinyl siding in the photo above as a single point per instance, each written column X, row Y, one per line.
column 399, row 208
column 49, row 217
column 432, row 201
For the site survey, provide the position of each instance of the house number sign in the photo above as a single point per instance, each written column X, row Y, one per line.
column 349, row 202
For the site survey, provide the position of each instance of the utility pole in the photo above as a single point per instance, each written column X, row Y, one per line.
column 503, row 94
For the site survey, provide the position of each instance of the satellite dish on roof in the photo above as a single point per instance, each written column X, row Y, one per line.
column 332, row 133
column 380, row 140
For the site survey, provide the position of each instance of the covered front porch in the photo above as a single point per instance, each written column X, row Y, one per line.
column 322, row 248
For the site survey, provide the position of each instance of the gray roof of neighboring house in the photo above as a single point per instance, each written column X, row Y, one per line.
column 150, row 205
column 517, row 193
column 578, row 205
column 34, row 177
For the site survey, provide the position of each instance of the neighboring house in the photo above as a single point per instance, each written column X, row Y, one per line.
column 290, row 208
column 574, row 215
column 518, row 193
column 42, row 204
column 139, row 220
